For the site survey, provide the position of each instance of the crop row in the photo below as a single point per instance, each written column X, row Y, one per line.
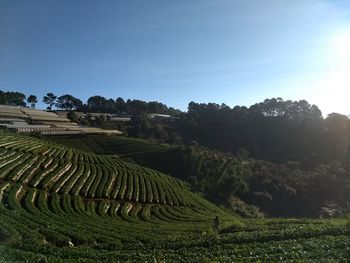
column 36, row 218
column 50, row 215
column 27, row 144
column 121, row 182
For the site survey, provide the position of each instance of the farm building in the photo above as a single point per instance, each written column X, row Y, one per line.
column 24, row 120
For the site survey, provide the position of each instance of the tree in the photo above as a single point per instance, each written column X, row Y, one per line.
column 12, row 98
column 77, row 104
column 68, row 102
column 110, row 106
column 49, row 99
column 136, row 106
column 3, row 97
column 97, row 103
column 120, row 104
column 157, row 107
column 32, row 99
column 337, row 136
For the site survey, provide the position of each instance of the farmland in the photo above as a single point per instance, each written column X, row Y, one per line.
column 61, row 204
column 124, row 147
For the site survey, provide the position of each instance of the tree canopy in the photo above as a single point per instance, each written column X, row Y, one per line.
column 12, row 98
column 68, row 102
column 49, row 99
column 32, row 99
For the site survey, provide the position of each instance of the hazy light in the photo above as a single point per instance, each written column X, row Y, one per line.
column 332, row 89
column 340, row 47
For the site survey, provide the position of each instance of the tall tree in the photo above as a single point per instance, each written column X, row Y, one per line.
column 32, row 99
column 97, row 103
column 3, row 97
column 110, row 106
column 16, row 99
column 120, row 104
column 77, row 103
column 68, row 102
column 49, row 99
column 12, row 98
column 337, row 138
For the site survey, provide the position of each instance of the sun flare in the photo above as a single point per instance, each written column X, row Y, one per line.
column 340, row 45
column 332, row 89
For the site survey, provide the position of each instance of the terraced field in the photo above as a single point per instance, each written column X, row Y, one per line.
column 59, row 204
column 54, row 195
column 111, row 145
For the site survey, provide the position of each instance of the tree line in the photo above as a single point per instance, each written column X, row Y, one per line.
column 312, row 153
column 293, row 132
column 275, row 130
column 94, row 104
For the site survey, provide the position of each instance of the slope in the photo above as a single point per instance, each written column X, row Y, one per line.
column 287, row 190
column 53, row 196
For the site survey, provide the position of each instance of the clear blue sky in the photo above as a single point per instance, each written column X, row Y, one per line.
column 223, row 51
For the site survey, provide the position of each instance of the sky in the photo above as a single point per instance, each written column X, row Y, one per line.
column 223, row 51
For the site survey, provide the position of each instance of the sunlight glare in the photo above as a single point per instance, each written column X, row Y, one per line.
column 341, row 45
column 332, row 88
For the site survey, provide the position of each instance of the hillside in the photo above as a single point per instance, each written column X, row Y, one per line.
column 227, row 180
column 111, row 145
column 59, row 204
column 57, row 196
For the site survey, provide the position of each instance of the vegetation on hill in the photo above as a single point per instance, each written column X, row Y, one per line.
column 111, row 145
column 307, row 155
column 94, row 104
column 59, row 204
column 239, row 183
column 12, row 98
column 274, row 130
column 54, row 196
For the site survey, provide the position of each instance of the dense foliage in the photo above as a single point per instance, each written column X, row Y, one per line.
column 132, row 107
column 275, row 130
column 12, row 98
column 277, row 190
column 68, row 102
